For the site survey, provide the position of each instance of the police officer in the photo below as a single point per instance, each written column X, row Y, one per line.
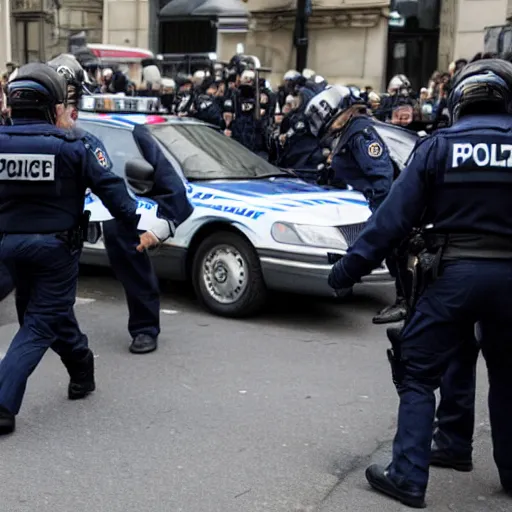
column 132, row 266
column 44, row 172
column 206, row 106
column 359, row 158
column 300, row 149
column 457, row 186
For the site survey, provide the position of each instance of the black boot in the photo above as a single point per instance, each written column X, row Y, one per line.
column 379, row 479
column 391, row 314
column 143, row 344
column 81, row 373
column 7, row 422
column 444, row 459
column 506, row 480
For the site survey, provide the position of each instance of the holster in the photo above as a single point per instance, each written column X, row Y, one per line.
column 395, row 354
column 418, row 261
column 75, row 237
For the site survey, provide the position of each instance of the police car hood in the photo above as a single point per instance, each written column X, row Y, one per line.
column 284, row 199
column 399, row 141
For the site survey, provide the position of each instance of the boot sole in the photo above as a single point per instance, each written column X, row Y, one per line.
column 410, row 502
column 82, row 392
column 146, row 350
column 463, row 467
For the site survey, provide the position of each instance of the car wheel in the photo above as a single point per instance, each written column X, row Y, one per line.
column 226, row 275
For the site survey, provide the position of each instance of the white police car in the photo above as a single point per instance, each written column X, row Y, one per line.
column 254, row 227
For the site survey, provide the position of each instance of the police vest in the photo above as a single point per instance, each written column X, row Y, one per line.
column 470, row 178
column 41, row 185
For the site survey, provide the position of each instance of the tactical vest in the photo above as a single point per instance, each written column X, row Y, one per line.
column 469, row 184
column 41, row 184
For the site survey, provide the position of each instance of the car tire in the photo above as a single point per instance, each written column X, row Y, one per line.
column 225, row 262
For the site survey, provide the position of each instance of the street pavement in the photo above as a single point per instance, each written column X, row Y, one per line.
column 281, row 413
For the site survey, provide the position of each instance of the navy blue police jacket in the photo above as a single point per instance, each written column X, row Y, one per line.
column 301, row 149
column 362, row 160
column 458, row 181
column 169, row 190
column 44, row 173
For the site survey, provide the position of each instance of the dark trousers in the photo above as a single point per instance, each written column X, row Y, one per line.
column 455, row 417
column 6, row 281
column 135, row 272
column 467, row 292
column 47, row 270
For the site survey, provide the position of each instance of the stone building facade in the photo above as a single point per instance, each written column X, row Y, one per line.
column 350, row 41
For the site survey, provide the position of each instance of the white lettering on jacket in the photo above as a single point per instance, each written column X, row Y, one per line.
column 483, row 155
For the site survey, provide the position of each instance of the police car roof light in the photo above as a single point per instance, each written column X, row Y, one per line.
column 109, row 103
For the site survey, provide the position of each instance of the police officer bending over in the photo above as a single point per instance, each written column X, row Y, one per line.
column 360, row 158
column 44, row 172
column 131, row 264
column 133, row 267
column 458, row 187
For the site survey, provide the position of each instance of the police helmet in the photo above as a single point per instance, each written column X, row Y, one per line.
column 324, row 108
column 39, row 87
column 291, row 75
column 399, row 82
column 68, row 66
column 247, row 76
column 308, row 74
column 320, row 80
column 168, row 83
column 486, row 82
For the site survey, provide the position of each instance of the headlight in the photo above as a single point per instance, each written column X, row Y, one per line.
column 315, row 236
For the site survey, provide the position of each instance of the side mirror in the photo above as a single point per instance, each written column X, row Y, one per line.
column 140, row 175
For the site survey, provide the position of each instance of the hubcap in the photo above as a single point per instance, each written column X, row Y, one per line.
column 225, row 274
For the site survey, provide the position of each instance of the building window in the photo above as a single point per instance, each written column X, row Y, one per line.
column 418, row 14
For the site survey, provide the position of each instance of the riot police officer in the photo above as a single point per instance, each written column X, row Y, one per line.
column 360, row 158
column 300, row 149
column 131, row 264
column 44, row 172
column 457, row 186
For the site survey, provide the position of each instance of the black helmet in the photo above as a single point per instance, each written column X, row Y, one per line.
column 68, row 66
column 37, row 87
column 486, row 81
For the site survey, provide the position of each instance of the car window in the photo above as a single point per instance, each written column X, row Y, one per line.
column 119, row 143
column 175, row 164
column 206, row 154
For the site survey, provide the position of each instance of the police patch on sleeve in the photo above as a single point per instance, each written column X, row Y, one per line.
column 101, row 157
column 375, row 150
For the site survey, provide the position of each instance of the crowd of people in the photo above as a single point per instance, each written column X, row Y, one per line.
column 225, row 96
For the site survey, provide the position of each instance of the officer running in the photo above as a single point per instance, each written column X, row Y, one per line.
column 457, row 186
column 44, row 172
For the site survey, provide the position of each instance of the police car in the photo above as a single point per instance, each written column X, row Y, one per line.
column 254, row 228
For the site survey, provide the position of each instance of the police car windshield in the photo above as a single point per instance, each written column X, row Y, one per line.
column 206, row 154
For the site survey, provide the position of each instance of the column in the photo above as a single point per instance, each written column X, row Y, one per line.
column 5, row 33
